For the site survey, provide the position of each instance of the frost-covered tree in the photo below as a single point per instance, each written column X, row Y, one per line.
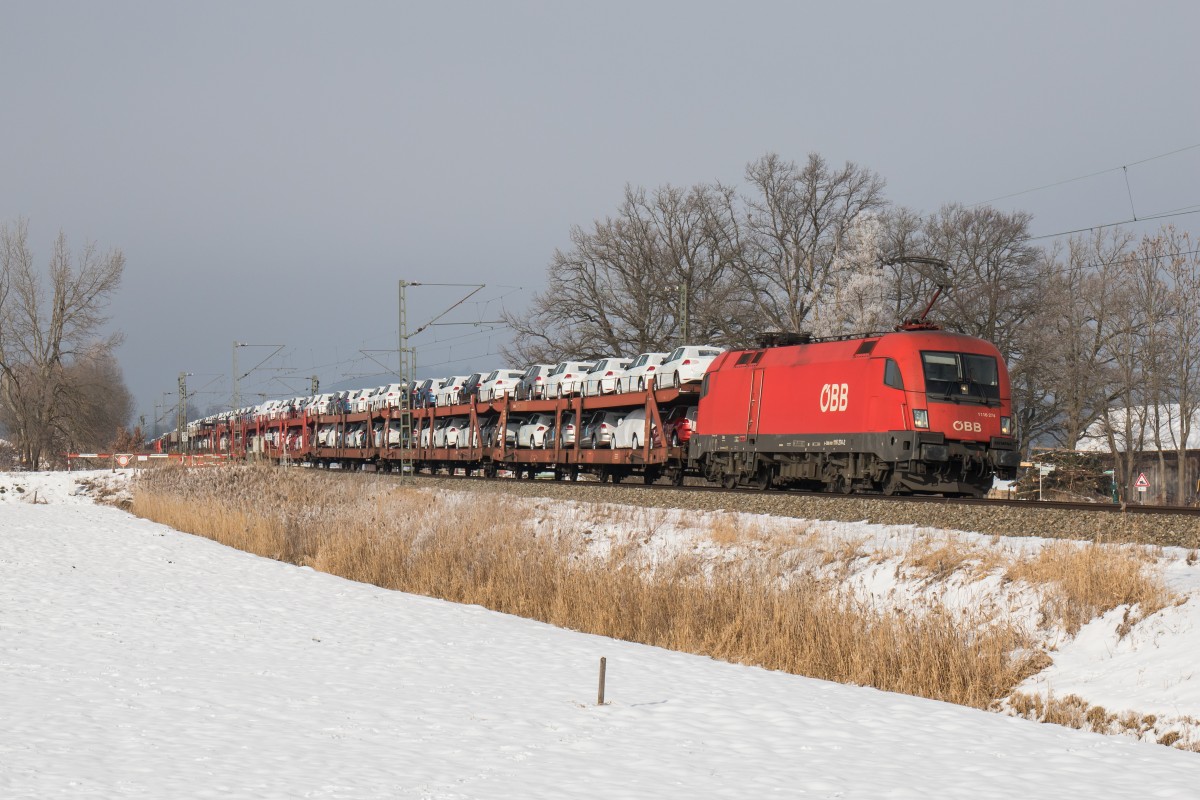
column 800, row 224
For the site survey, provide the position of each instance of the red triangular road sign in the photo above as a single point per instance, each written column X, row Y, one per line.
column 1142, row 482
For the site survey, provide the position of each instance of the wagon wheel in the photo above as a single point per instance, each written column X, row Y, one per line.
column 730, row 480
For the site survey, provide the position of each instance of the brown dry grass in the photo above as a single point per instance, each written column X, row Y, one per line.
column 1072, row 711
column 485, row 552
column 1084, row 581
column 937, row 558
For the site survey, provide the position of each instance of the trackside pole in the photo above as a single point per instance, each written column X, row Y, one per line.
column 600, row 694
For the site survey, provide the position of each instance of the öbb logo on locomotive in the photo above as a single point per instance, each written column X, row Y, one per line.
column 834, row 396
column 967, row 427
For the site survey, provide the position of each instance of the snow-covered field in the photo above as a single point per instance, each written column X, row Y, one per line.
column 139, row 661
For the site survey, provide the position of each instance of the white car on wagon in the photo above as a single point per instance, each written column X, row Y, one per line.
column 686, row 365
column 604, row 376
column 498, row 383
column 448, row 393
column 566, row 378
column 533, row 432
column 632, row 430
column 645, row 366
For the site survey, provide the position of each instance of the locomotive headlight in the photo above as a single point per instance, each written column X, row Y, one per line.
column 1006, row 426
column 920, row 418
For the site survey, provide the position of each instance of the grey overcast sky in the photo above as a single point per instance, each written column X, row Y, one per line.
column 271, row 169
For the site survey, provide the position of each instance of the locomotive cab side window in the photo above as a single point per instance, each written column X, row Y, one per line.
column 892, row 376
column 960, row 377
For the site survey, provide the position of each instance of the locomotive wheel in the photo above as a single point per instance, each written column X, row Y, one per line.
column 762, row 480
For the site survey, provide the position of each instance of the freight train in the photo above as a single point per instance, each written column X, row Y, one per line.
column 917, row 410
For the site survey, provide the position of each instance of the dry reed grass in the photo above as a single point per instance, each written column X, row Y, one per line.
column 466, row 549
column 1072, row 711
column 936, row 559
column 1084, row 581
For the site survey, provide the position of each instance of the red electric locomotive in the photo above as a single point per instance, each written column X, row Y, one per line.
column 918, row 410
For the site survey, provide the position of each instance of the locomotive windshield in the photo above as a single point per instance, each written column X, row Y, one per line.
column 959, row 377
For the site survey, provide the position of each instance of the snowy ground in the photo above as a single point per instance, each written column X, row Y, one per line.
column 138, row 661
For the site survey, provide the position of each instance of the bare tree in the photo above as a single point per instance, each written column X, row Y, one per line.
column 995, row 273
column 99, row 404
column 48, row 325
column 1157, row 304
column 1179, row 268
column 798, row 222
column 636, row 281
column 1125, row 422
column 1084, row 292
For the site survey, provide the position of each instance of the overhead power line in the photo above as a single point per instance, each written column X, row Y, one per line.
column 1166, row 215
column 1085, row 177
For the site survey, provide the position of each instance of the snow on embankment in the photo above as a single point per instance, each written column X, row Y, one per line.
column 138, row 661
